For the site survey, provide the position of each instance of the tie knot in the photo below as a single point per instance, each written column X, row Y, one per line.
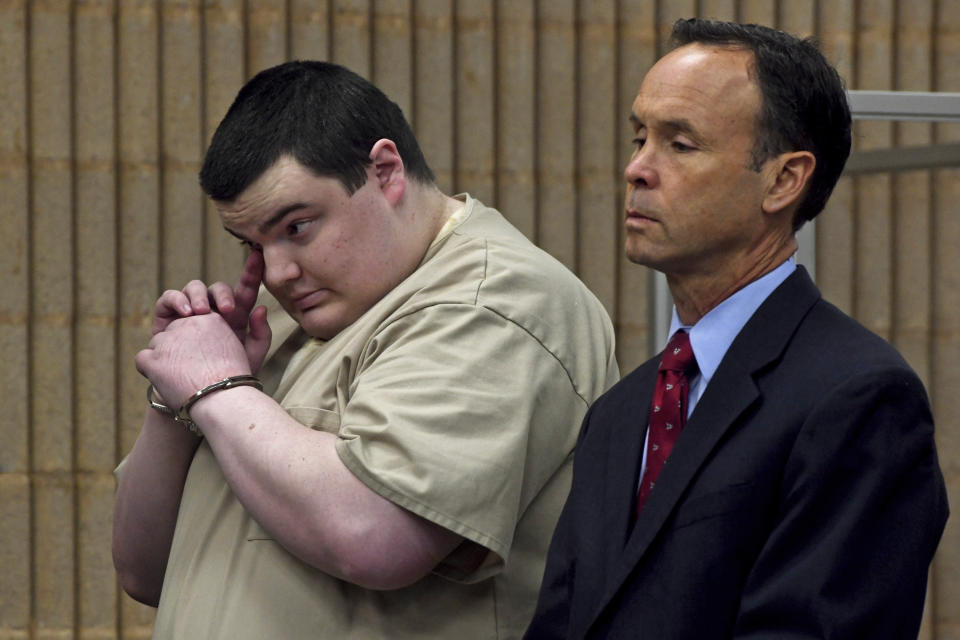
column 678, row 356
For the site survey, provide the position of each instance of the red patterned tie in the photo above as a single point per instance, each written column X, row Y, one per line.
column 668, row 411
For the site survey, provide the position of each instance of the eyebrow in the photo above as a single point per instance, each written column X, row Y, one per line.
column 679, row 125
column 280, row 215
column 272, row 221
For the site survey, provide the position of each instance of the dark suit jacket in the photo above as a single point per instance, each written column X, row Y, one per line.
column 802, row 500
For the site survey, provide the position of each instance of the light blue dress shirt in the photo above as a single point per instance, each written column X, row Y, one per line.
column 713, row 334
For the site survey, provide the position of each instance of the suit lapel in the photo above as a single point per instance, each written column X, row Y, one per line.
column 731, row 391
column 613, row 476
column 623, row 465
column 716, row 412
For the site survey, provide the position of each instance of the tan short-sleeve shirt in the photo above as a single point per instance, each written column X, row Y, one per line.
column 458, row 396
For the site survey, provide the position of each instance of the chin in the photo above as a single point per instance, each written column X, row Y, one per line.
column 643, row 256
column 321, row 331
column 636, row 254
column 317, row 323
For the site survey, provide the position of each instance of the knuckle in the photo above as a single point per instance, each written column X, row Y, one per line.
column 141, row 360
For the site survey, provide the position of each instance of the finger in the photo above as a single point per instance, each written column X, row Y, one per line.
column 222, row 296
column 173, row 303
column 259, row 328
column 237, row 319
column 170, row 305
column 258, row 338
column 248, row 285
column 196, row 293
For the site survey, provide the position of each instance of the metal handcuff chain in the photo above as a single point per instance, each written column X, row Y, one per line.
column 182, row 415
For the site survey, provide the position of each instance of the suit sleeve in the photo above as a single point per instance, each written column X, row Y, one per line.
column 862, row 508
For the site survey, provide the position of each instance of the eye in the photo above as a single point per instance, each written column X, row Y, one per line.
column 297, row 227
column 681, row 146
column 639, row 141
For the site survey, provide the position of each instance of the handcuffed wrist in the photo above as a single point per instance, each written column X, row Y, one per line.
column 182, row 415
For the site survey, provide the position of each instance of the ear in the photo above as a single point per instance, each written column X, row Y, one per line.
column 387, row 166
column 789, row 182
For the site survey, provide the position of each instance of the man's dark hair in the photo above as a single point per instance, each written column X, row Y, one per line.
column 804, row 103
column 325, row 116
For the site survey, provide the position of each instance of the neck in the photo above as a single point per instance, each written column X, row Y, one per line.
column 695, row 294
column 425, row 209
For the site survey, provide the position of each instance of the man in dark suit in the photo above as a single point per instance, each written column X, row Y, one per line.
column 773, row 474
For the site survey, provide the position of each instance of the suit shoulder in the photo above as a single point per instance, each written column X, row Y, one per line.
column 839, row 341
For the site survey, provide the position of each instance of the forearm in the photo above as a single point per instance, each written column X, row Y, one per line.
column 294, row 484
column 147, row 502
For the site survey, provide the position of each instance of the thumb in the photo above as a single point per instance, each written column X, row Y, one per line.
column 258, row 338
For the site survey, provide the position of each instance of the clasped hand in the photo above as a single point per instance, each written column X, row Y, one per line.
column 202, row 335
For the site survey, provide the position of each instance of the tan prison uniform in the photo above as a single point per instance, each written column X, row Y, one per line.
column 458, row 396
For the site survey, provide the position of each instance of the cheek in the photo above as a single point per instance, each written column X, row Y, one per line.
column 722, row 188
column 342, row 239
column 745, row 189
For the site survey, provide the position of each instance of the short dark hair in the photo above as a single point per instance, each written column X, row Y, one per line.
column 804, row 102
column 323, row 115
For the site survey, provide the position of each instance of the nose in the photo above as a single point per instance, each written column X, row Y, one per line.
column 279, row 267
column 640, row 171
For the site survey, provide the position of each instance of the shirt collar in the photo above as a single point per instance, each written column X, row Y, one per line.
column 457, row 217
column 712, row 335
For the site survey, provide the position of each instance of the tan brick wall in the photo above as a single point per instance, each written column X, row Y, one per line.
column 107, row 107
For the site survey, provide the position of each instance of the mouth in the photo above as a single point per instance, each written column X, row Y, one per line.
column 308, row 300
column 637, row 217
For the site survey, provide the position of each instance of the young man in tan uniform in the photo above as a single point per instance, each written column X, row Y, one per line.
column 401, row 471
